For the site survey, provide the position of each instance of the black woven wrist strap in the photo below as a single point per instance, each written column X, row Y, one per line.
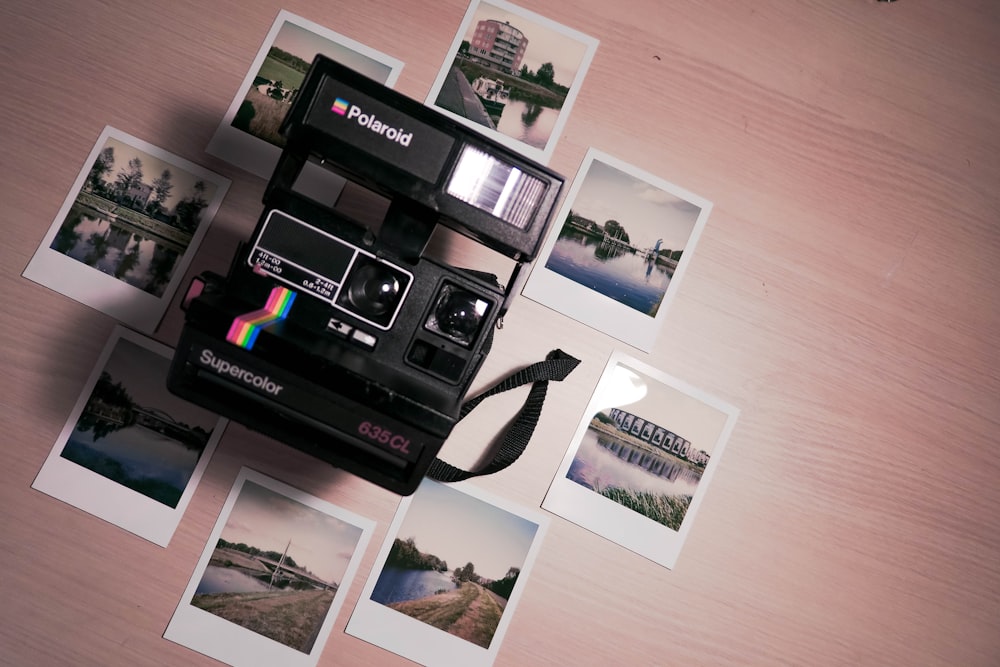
column 557, row 366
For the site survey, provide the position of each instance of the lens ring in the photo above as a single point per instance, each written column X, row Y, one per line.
column 374, row 289
column 458, row 315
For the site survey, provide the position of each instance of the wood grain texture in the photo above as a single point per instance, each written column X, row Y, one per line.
column 843, row 295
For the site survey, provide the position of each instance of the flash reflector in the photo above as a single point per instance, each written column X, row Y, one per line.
column 494, row 186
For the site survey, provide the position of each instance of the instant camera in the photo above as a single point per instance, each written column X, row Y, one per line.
column 345, row 341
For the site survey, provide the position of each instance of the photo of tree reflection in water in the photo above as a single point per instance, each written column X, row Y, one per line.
column 639, row 465
column 630, row 278
column 134, row 217
column 624, row 236
column 134, row 432
column 130, row 256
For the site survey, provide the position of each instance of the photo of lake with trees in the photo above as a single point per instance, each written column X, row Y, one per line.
column 623, row 237
column 630, row 278
column 133, row 431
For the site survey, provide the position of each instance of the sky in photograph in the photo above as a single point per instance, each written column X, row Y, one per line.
column 306, row 44
column 143, row 373
column 152, row 168
column 545, row 44
column 265, row 519
column 460, row 529
column 645, row 211
column 665, row 406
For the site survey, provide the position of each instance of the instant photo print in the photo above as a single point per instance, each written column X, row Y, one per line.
column 642, row 459
column 249, row 135
column 344, row 339
column 621, row 244
column 131, row 452
column 450, row 576
column 274, row 574
column 128, row 230
column 513, row 75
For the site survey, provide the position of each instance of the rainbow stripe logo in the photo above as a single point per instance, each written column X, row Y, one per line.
column 245, row 328
column 340, row 106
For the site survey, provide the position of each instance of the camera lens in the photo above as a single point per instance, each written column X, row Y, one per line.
column 458, row 315
column 373, row 290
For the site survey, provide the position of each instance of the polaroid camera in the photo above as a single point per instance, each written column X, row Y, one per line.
column 349, row 344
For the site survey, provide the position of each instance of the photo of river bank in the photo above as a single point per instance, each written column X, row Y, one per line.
column 261, row 592
column 470, row 612
column 453, row 566
column 461, row 601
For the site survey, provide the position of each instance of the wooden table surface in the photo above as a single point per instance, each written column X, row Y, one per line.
column 843, row 296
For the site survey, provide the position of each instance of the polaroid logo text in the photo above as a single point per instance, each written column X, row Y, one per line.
column 223, row 367
column 369, row 121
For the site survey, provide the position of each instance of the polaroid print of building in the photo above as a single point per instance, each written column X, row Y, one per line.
column 498, row 45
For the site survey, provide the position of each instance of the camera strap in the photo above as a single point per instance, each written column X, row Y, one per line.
column 557, row 366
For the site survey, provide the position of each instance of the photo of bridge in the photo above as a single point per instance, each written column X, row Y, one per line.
column 133, row 431
column 277, row 565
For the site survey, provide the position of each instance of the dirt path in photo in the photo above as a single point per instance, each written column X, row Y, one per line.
column 290, row 618
column 470, row 612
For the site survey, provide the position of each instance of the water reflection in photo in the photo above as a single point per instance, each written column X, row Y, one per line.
column 117, row 249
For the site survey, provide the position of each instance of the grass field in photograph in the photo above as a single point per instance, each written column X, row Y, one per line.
column 278, row 71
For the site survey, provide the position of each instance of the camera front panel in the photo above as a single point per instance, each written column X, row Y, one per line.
column 330, row 269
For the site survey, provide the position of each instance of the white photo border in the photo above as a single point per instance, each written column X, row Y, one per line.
column 415, row 640
column 257, row 156
column 591, row 308
column 102, row 497
column 616, row 522
column 233, row 644
column 590, row 48
column 129, row 305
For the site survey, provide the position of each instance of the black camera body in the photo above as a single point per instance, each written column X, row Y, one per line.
column 349, row 344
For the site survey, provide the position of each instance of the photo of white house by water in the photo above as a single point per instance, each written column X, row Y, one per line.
column 134, row 217
column 128, row 229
